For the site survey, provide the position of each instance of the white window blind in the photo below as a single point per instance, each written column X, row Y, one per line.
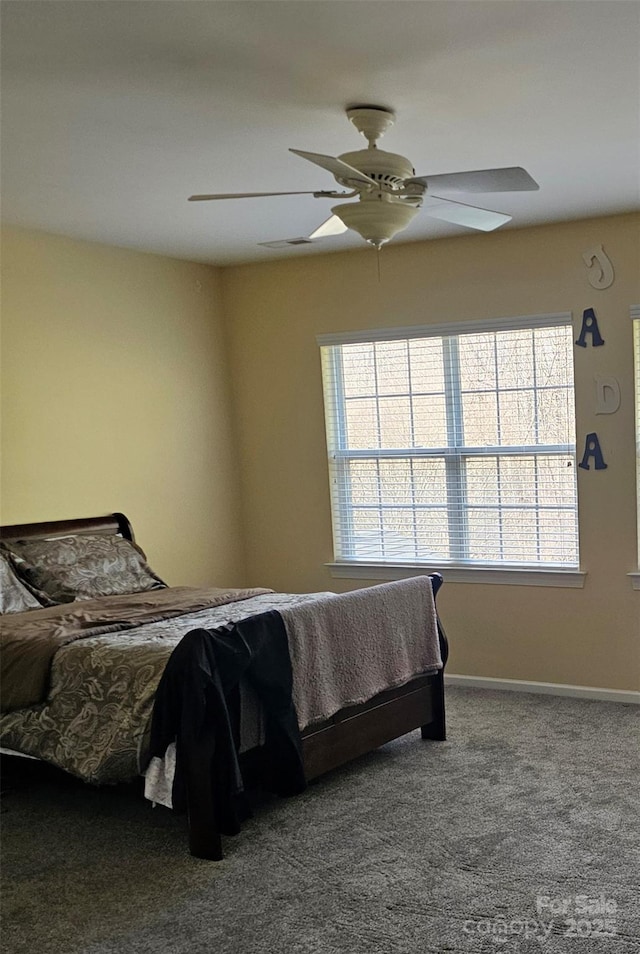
column 454, row 448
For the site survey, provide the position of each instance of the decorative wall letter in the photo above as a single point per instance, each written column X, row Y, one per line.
column 599, row 268
column 607, row 395
column 592, row 449
column 590, row 327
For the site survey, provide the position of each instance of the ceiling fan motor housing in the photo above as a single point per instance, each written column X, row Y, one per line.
column 384, row 167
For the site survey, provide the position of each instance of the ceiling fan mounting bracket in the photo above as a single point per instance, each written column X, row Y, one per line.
column 371, row 121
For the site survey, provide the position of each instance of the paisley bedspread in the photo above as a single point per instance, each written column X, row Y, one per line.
column 101, row 690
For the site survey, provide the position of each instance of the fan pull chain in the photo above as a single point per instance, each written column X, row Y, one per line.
column 378, row 261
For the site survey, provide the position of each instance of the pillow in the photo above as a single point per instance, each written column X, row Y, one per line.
column 82, row 567
column 14, row 596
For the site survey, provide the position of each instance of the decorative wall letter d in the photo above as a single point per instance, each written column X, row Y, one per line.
column 592, row 449
column 607, row 395
column 590, row 327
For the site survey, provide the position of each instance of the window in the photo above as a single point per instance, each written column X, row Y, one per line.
column 454, row 445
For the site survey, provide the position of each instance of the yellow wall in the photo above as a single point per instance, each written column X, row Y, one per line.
column 587, row 636
column 115, row 397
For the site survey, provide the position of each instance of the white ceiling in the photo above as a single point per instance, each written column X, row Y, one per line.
column 114, row 111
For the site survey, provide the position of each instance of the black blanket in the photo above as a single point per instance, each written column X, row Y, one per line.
column 197, row 707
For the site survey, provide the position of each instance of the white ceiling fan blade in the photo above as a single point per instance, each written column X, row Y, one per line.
column 331, row 226
column 335, row 166
column 510, row 179
column 242, row 195
column 468, row 215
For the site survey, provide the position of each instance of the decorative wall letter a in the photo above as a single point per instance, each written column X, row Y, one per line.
column 590, row 327
column 592, row 449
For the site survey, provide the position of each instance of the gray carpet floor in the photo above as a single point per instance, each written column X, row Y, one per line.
column 520, row 833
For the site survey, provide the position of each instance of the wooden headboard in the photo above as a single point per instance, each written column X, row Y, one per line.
column 110, row 524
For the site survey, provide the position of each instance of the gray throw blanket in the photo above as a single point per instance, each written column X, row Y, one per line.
column 347, row 648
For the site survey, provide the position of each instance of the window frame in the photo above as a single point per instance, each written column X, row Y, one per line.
column 459, row 568
column 634, row 313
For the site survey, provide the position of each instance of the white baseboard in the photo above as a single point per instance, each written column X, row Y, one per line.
column 544, row 688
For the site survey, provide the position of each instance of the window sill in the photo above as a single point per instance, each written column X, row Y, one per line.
column 635, row 580
column 462, row 574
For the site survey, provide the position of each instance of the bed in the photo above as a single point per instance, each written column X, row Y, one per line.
column 81, row 673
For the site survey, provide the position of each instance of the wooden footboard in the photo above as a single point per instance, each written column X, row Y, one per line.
column 360, row 729
column 350, row 733
column 353, row 732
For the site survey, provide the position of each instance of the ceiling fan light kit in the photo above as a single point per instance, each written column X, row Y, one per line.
column 389, row 192
column 377, row 221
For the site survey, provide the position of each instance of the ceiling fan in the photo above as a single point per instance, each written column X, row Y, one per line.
column 387, row 191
